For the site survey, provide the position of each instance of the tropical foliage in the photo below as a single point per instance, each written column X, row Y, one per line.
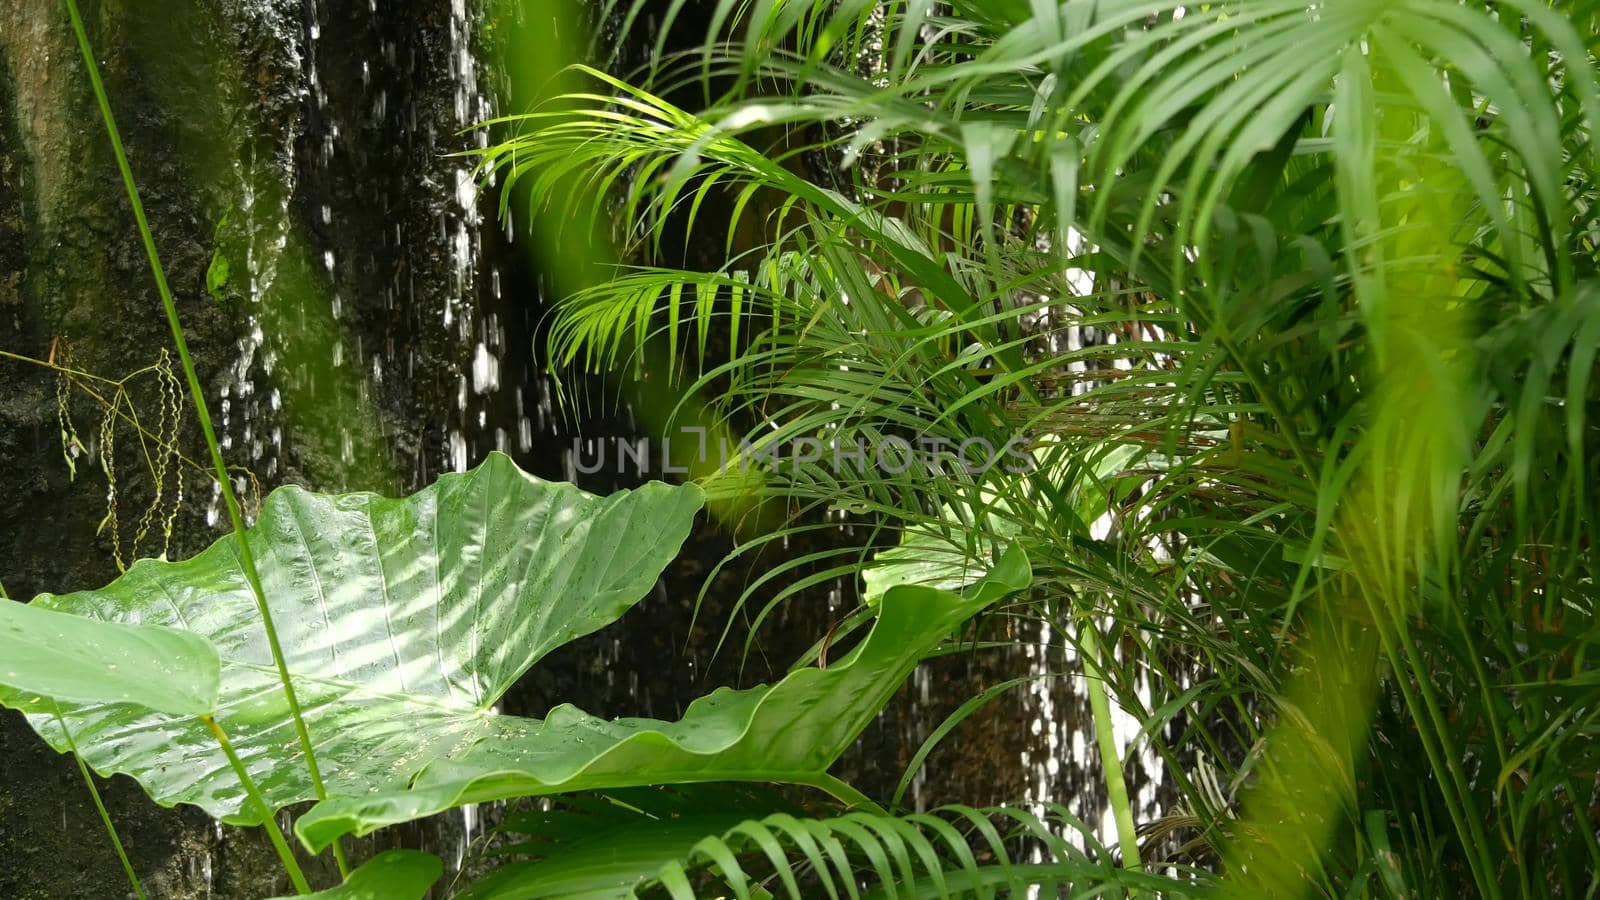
column 403, row 621
column 1297, row 303
column 1289, row 310
column 616, row 844
column 392, row 875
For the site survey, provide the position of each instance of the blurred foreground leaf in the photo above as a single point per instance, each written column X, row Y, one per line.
column 48, row 657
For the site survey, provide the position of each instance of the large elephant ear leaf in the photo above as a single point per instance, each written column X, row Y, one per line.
column 49, row 657
column 403, row 621
column 791, row 731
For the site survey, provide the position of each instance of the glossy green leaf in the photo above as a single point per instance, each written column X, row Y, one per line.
column 392, row 875
column 48, row 657
column 939, row 556
column 923, row 557
column 403, row 621
column 791, row 731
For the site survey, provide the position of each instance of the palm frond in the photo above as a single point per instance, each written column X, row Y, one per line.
column 689, row 841
column 1295, row 301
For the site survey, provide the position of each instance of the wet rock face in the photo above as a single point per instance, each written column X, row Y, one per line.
column 374, row 329
column 72, row 270
column 238, row 140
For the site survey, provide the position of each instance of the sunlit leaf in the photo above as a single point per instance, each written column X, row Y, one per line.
column 791, row 731
column 402, row 621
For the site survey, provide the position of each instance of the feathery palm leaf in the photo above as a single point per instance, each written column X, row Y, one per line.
column 1295, row 303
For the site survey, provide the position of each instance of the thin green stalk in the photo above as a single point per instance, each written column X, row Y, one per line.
column 7, row 354
column 246, row 560
column 1381, row 605
column 1106, row 741
column 843, row 792
column 1447, row 759
column 111, row 408
column 99, row 805
column 94, row 794
column 268, row 819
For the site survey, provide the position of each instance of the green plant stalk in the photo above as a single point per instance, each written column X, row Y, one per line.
column 94, row 794
column 105, row 817
column 1424, row 710
column 274, row 833
column 246, row 560
column 845, row 793
column 1106, row 741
